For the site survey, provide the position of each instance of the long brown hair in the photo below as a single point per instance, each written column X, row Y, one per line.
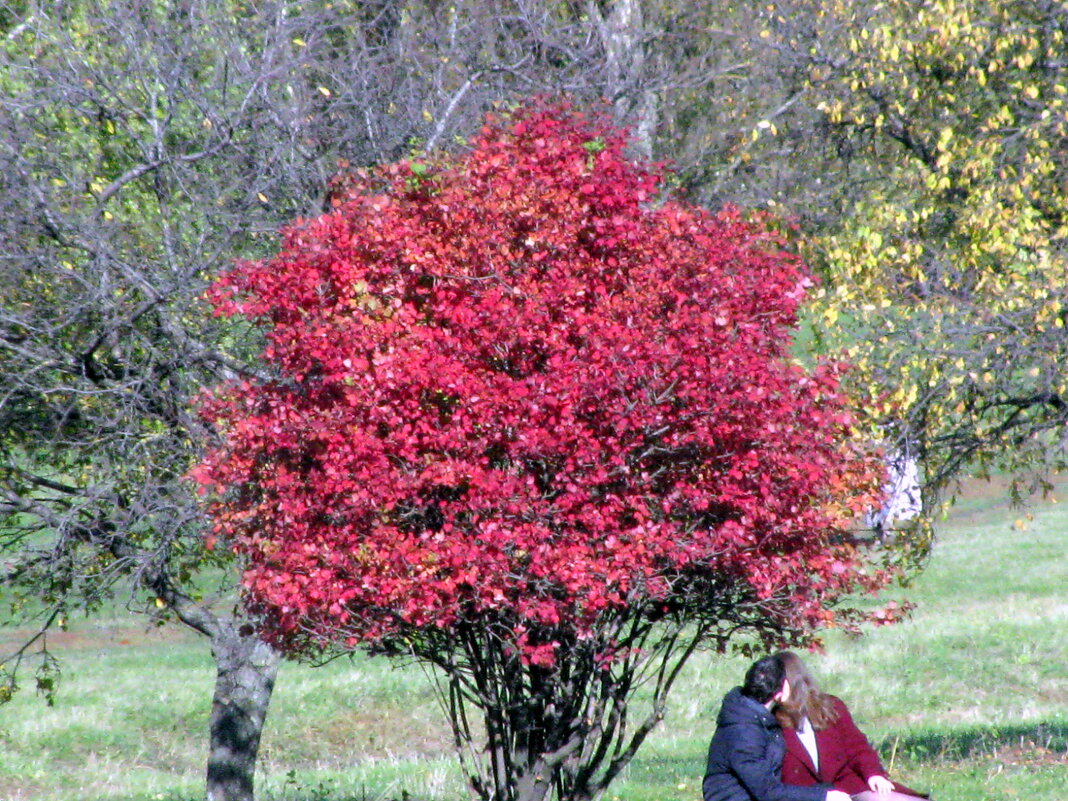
column 806, row 700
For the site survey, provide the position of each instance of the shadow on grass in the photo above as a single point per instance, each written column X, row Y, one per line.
column 339, row 795
column 965, row 743
column 324, row 792
column 1048, row 740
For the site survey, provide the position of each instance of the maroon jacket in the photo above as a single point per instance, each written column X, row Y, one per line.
column 847, row 759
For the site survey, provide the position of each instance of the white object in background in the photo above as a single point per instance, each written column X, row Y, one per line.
column 902, row 492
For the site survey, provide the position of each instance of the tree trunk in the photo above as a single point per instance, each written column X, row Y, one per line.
column 247, row 668
column 622, row 34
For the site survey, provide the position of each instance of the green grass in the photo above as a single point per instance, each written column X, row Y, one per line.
column 968, row 699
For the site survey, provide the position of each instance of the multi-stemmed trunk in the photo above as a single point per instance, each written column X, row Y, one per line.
column 560, row 730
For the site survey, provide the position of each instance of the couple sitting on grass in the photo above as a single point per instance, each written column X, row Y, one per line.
column 778, row 738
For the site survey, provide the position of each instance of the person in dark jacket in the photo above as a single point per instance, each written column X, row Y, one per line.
column 746, row 753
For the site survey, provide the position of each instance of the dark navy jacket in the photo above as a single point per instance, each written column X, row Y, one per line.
column 745, row 757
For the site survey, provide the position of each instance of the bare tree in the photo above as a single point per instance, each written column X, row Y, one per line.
column 144, row 146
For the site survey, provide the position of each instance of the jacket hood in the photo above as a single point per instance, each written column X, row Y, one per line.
column 740, row 709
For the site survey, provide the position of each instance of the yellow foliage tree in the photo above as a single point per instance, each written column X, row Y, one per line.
column 947, row 274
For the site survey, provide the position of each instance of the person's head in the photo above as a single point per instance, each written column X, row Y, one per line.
column 765, row 681
column 806, row 699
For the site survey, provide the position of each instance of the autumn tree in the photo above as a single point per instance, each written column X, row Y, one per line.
column 541, row 430
column 948, row 282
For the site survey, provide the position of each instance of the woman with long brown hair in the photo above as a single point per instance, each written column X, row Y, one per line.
column 824, row 746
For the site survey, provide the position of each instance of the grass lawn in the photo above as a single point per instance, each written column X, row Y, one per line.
column 968, row 699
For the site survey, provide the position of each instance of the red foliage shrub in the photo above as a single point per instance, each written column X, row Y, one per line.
column 512, row 385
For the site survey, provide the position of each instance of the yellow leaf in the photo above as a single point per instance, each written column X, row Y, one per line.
column 262, row 197
column 324, row 91
column 298, row 41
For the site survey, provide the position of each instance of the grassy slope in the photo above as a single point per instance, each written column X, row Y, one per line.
column 969, row 699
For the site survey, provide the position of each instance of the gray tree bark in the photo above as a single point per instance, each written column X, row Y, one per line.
column 622, row 34
column 246, row 672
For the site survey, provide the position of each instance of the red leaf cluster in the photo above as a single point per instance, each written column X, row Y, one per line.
column 513, row 384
